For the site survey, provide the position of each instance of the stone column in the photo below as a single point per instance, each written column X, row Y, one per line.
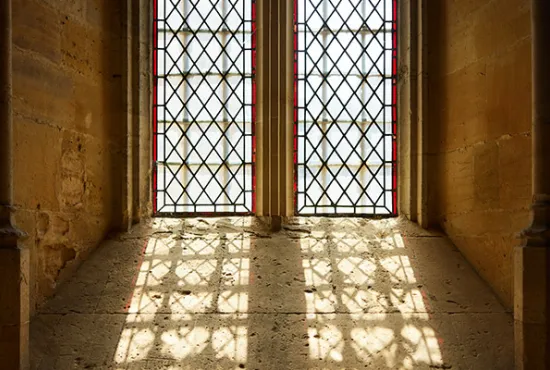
column 275, row 104
column 413, row 162
column 14, row 261
column 532, row 258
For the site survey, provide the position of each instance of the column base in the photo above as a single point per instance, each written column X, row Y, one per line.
column 14, row 347
column 531, row 307
column 14, row 306
column 272, row 223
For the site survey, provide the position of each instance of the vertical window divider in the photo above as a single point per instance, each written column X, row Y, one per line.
column 275, row 110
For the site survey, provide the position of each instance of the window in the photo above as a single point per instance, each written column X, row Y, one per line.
column 345, row 107
column 345, row 114
column 203, row 107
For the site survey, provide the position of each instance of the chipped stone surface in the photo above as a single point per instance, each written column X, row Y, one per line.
column 227, row 294
column 68, row 136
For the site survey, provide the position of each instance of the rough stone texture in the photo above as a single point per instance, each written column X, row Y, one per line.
column 67, row 135
column 480, row 122
column 14, row 313
column 227, row 294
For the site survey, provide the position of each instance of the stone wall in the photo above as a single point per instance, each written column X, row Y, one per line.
column 71, row 112
column 68, row 132
column 479, row 137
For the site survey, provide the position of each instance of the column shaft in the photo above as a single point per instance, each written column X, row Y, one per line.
column 6, row 130
column 532, row 258
column 541, row 95
column 14, row 262
column 274, row 128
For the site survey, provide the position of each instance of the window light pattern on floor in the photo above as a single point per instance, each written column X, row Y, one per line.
column 323, row 293
column 345, row 106
column 183, row 281
column 370, row 279
column 222, row 294
column 203, row 108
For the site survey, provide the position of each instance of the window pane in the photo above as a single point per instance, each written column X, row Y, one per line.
column 203, row 106
column 345, row 106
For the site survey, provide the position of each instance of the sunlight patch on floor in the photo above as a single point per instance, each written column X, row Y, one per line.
column 182, row 277
column 375, row 277
column 226, row 293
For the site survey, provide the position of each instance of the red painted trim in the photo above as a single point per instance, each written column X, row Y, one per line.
column 394, row 108
column 253, row 19
column 155, row 102
column 295, row 185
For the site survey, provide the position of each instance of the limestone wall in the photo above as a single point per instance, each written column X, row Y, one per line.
column 68, row 131
column 480, row 144
column 70, row 117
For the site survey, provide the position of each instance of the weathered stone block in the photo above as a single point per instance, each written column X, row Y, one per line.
column 37, row 29
column 480, row 122
column 69, row 130
column 36, row 164
column 81, row 47
column 42, row 91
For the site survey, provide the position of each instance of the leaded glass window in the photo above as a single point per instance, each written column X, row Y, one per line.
column 345, row 107
column 203, row 107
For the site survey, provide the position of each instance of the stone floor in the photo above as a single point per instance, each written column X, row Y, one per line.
column 322, row 294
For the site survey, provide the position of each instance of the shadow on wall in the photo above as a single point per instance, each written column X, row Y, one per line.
column 438, row 111
column 115, row 105
column 223, row 294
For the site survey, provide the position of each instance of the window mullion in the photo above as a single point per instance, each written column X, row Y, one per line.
column 275, row 109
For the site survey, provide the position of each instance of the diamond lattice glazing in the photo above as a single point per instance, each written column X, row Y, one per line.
column 204, row 124
column 345, row 107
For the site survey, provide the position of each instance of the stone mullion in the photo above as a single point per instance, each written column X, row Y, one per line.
column 285, row 108
column 422, row 123
column 144, row 31
column 275, row 104
column 287, row 42
column 272, row 118
column 262, row 165
column 532, row 258
column 413, row 159
column 14, row 260
column 6, row 113
column 127, row 183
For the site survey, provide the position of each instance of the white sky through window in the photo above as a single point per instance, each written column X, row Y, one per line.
column 345, row 102
column 204, row 106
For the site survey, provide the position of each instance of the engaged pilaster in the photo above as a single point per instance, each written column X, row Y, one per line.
column 532, row 258
column 14, row 261
column 275, row 104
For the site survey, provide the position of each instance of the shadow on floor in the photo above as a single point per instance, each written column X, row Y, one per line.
column 321, row 294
